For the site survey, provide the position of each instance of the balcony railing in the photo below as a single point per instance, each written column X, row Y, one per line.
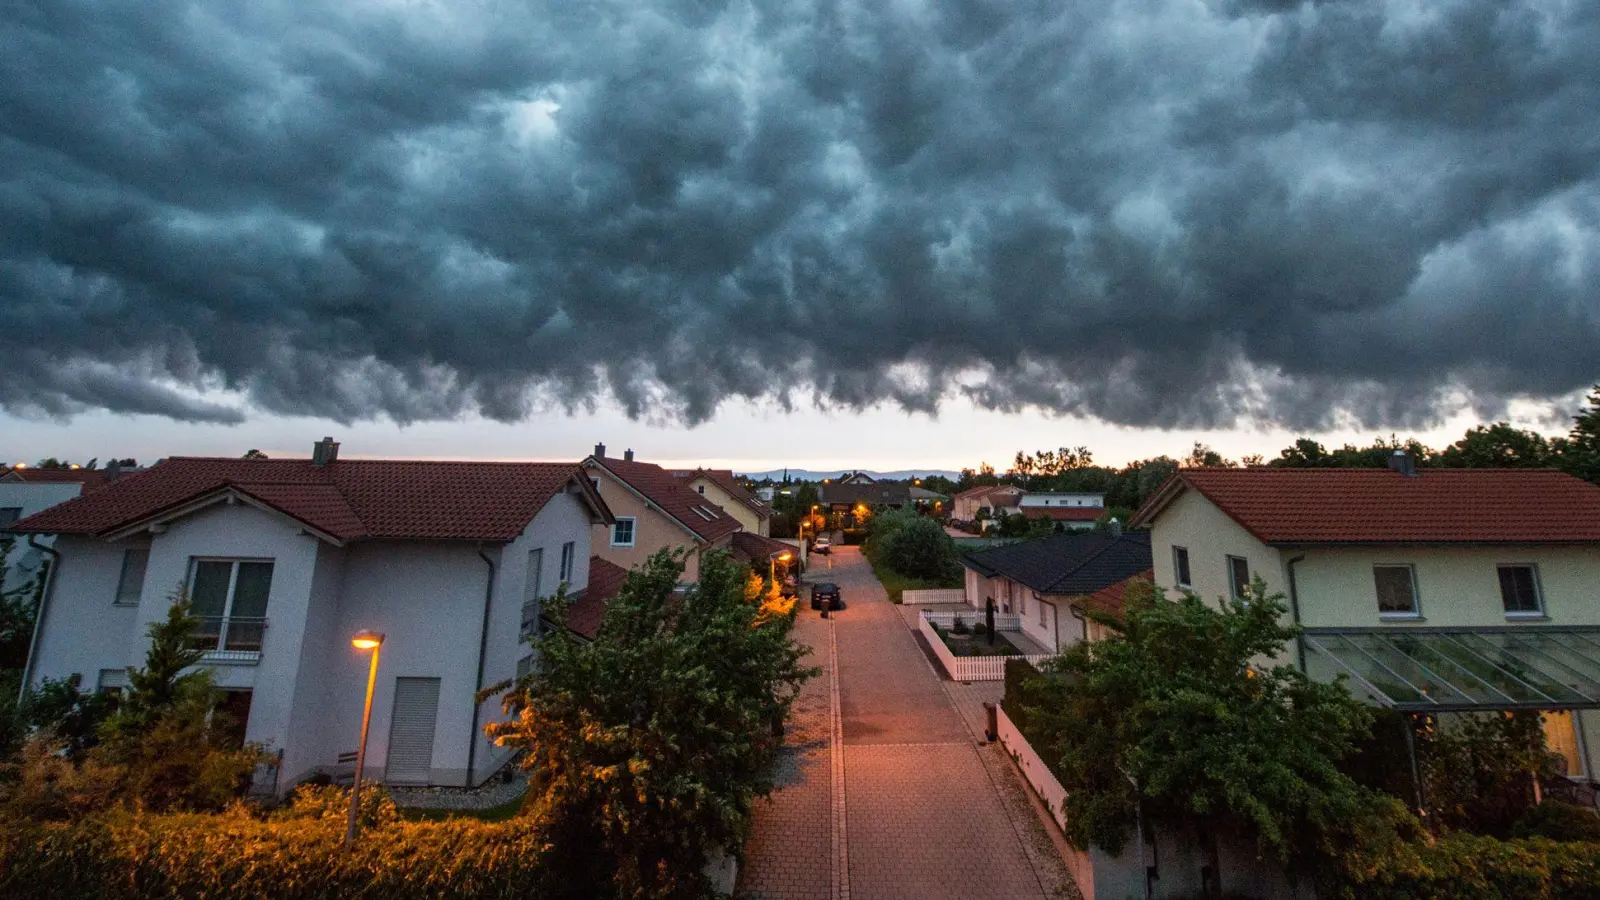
column 229, row 636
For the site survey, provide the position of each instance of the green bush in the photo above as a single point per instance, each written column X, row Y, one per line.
column 919, row 548
column 1559, row 821
column 197, row 857
column 1473, row 867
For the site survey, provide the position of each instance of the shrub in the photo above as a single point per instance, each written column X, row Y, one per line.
column 316, row 802
column 918, row 548
column 1559, row 821
column 148, row 857
column 1473, row 867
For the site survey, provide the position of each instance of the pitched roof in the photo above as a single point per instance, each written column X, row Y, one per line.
column 725, row 479
column 347, row 500
column 91, row 479
column 1360, row 506
column 747, row 546
column 670, row 495
column 1109, row 599
column 588, row 609
column 1080, row 563
column 985, row 490
column 875, row 494
column 1064, row 513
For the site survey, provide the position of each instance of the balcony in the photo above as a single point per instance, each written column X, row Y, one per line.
column 234, row 640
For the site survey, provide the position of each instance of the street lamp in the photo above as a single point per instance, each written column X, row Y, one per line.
column 364, row 640
column 772, row 566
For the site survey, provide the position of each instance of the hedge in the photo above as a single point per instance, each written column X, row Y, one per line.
column 1470, row 867
column 199, row 857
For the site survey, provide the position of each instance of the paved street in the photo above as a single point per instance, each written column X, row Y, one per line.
column 885, row 790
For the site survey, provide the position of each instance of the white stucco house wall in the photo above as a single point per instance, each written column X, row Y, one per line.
column 1433, row 591
column 288, row 559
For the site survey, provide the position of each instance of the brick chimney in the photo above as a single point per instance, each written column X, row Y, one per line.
column 324, row 452
column 627, row 455
column 599, row 451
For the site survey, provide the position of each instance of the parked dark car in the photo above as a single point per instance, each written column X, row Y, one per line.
column 826, row 592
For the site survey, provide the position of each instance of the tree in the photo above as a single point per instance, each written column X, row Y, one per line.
column 254, row 454
column 649, row 745
column 1203, row 455
column 1497, row 446
column 919, row 548
column 1579, row 452
column 167, row 741
column 1182, row 712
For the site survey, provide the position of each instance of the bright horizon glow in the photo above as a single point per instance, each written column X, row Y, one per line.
column 745, row 437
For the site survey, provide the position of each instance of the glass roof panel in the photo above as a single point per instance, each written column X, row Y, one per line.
column 1457, row 668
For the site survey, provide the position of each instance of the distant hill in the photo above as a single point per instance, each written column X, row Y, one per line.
column 818, row 475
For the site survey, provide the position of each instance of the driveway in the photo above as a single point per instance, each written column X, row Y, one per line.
column 887, row 790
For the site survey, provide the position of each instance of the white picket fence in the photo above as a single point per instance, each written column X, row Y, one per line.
column 971, row 668
column 937, row 595
column 1002, row 622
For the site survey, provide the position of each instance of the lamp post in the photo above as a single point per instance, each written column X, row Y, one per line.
column 772, row 566
column 364, row 640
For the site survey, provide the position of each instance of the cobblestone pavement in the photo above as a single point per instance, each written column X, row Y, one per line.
column 790, row 855
column 926, row 809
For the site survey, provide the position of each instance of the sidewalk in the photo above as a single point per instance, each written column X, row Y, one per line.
column 914, row 807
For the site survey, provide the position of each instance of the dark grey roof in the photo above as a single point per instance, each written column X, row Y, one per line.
column 1066, row 563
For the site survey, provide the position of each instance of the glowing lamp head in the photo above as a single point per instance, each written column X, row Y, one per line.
column 785, row 557
column 367, row 640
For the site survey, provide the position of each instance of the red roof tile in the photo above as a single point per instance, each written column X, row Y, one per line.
column 672, row 496
column 347, row 500
column 589, row 609
column 725, row 479
column 1109, row 599
column 1490, row 506
column 91, row 479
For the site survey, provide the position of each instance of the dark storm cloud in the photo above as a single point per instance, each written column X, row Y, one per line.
column 1154, row 213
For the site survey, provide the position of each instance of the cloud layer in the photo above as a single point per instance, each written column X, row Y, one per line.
column 1155, row 212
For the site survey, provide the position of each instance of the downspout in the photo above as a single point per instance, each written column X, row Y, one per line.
column 1083, row 622
column 483, row 650
column 38, row 616
column 1294, row 612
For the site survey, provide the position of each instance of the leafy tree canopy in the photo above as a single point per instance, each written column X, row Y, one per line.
column 1185, row 711
column 649, row 745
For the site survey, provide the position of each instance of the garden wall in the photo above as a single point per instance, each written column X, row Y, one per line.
column 1177, row 860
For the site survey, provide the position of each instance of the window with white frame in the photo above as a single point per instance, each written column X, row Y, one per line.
column 569, row 552
column 701, row 488
column 624, row 533
column 131, row 582
column 1180, row 566
column 1238, row 577
column 229, row 597
column 1397, row 591
column 1519, row 590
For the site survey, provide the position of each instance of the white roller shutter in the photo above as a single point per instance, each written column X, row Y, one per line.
column 416, row 712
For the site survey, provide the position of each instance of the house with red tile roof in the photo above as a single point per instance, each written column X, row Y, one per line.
column 1431, row 590
column 723, row 488
column 993, row 497
column 25, row 490
column 284, row 560
column 654, row 510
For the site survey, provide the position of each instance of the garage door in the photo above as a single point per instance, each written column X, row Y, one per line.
column 416, row 712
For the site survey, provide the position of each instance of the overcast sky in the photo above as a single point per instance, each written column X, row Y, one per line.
column 769, row 231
